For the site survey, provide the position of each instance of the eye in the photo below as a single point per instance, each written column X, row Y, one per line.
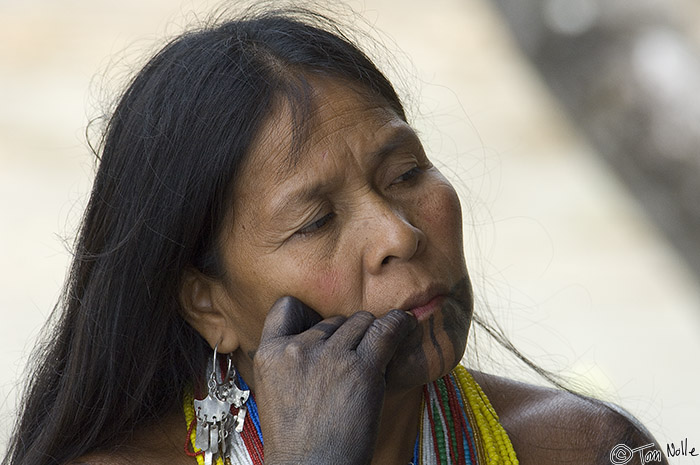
column 408, row 175
column 316, row 225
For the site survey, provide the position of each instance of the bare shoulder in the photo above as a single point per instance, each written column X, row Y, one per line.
column 549, row 426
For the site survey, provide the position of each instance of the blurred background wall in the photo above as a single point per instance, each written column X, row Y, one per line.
column 628, row 73
column 552, row 128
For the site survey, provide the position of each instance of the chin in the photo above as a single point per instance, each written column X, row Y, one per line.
column 402, row 376
column 432, row 350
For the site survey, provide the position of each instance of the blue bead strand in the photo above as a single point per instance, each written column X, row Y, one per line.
column 252, row 407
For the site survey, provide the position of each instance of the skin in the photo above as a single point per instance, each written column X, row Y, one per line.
column 358, row 224
column 377, row 230
column 312, row 303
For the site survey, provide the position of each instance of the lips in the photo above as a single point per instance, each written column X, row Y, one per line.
column 423, row 312
column 424, row 304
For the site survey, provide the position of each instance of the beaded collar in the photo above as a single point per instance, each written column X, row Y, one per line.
column 458, row 426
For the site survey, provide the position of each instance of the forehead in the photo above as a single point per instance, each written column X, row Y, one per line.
column 340, row 118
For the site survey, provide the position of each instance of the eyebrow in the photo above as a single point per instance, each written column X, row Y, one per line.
column 306, row 194
column 397, row 139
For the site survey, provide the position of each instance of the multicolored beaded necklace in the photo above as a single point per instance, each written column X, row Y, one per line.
column 452, row 405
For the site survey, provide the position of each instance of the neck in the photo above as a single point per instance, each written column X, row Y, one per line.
column 398, row 427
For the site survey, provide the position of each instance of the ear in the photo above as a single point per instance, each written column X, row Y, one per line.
column 203, row 302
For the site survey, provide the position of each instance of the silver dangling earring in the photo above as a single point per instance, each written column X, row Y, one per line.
column 215, row 422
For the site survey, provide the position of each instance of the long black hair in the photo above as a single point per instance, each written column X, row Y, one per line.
column 120, row 354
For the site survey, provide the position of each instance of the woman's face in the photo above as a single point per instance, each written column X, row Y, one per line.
column 358, row 220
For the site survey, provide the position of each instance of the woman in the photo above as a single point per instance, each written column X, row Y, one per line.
column 261, row 195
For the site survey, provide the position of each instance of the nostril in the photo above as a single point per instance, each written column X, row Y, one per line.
column 385, row 261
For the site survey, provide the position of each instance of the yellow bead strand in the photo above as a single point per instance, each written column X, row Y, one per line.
column 493, row 437
column 493, row 447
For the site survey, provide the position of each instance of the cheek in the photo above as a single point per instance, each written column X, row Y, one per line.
column 441, row 212
column 324, row 288
column 328, row 285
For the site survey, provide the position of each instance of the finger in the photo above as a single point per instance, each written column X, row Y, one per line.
column 288, row 316
column 349, row 335
column 384, row 335
column 321, row 330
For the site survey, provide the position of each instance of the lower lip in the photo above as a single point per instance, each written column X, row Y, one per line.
column 424, row 311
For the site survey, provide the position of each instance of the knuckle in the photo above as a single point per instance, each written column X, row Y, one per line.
column 335, row 319
column 362, row 316
column 398, row 316
column 332, row 322
column 294, row 350
column 390, row 322
column 285, row 302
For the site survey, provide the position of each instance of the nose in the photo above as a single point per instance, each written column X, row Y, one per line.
column 390, row 236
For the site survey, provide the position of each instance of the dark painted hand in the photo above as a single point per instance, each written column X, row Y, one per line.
column 320, row 383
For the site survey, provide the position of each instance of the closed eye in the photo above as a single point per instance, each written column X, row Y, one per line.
column 316, row 225
column 408, row 175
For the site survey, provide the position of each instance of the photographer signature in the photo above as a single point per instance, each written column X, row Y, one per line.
column 622, row 453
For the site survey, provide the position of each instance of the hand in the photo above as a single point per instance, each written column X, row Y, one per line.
column 320, row 383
